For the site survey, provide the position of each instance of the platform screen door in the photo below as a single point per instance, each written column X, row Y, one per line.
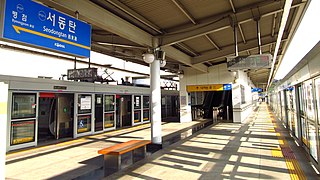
column 84, row 113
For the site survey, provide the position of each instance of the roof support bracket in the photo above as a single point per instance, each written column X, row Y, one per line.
column 258, row 35
column 234, row 25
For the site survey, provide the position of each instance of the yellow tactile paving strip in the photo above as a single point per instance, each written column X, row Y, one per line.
column 285, row 152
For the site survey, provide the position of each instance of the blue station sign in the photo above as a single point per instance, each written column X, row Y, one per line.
column 227, row 87
column 31, row 23
column 256, row 90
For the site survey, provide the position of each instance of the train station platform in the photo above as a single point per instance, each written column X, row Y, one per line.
column 78, row 158
column 257, row 149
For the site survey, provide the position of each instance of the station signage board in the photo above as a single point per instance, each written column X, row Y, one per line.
column 89, row 74
column 209, row 87
column 249, row 62
column 256, row 90
column 31, row 23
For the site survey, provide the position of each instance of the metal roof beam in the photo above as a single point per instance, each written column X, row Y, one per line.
column 274, row 19
column 242, row 35
column 232, row 6
column 117, row 51
column 258, row 75
column 187, row 48
column 229, row 50
column 221, row 22
column 114, row 24
column 270, row 48
column 103, row 19
column 212, row 42
column 135, row 15
column 239, row 25
column 207, row 20
column 183, row 58
column 184, row 11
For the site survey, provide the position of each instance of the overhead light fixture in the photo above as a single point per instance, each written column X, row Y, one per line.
column 157, row 54
column 180, row 74
column 163, row 63
column 148, row 57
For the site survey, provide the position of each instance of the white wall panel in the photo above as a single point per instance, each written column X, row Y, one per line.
column 314, row 65
column 217, row 75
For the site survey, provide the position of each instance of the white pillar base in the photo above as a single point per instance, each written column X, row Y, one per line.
column 185, row 114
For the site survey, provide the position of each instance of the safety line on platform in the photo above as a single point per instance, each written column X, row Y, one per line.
column 284, row 151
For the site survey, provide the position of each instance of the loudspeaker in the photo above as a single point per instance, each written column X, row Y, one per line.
column 160, row 55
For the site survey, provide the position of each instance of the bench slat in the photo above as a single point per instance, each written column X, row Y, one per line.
column 124, row 147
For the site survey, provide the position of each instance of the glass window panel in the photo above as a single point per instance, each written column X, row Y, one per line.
column 317, row 85
column 289, row 109
column 294, row 112
column 84, row 103
column 318, row 134
column 169, row 105
column 22, row 132
column 290, row 120
column 108, row 120
column 304, row 130
column 283, row 109
column 163, row 101
column 146, row 115
column 109, row 103
column 192, row 98
column 23, row 106
column 312, row 140
column 279, row 105
column 84, row 123
column 300, row 94
column 137, row 102
column 309, row 100
column 294, row 125
column 137, row 116
column 146, row 102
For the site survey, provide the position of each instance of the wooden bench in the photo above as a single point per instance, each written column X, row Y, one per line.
column 123, row 155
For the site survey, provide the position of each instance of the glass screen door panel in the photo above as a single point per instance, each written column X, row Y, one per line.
column 84, row 115
column 109, row 111
column 23, row 118
column 98, row 120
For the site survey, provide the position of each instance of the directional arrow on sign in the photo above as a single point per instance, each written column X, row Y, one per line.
column 18, row 29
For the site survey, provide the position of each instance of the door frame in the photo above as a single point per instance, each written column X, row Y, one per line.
column 114, row 112
column 133, row 101
column 23, row 145
column 76, row 114
column 94, row 118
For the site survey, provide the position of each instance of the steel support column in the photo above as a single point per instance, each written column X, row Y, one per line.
column 156, row 137
column 259, row 36
column 235, row 38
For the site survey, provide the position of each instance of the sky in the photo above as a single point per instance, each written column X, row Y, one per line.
column 29, row 64
column 305, row 38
